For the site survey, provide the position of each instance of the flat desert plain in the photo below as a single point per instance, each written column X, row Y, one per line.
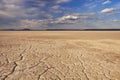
column 60, row 55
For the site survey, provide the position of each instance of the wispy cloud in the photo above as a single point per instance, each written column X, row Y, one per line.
column 62, row 13
column 106, row 2
column 108, row 10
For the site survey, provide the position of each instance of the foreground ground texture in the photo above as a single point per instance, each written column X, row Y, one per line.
column 65, row 55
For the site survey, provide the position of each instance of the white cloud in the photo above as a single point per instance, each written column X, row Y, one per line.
column 5, row 14
column 106, row 2
column 75, row 18
column 116, row 20
column 62, row 1
column 68, row 17
column 32, row 15
column 56, row 7
column 72, row 19
column 12, row 1
column 33, row 23
column 108, row 10
column 90, row 5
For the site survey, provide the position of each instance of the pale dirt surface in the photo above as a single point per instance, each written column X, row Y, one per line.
column 65, row 55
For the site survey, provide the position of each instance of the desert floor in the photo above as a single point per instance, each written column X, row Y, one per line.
column 60, row 55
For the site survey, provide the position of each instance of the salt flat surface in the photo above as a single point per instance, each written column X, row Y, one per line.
column 60, row 55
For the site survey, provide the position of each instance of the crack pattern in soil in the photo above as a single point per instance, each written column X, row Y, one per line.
column 50, row 59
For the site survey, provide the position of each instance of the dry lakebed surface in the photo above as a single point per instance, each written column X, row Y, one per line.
column 59, row 55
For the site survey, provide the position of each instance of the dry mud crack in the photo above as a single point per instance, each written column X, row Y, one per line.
column 45, row 57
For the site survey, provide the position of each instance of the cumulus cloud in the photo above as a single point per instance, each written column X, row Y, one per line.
column 20, row 9
column 45, row 13
column 75, row 18
column 68, row 17
column 108, row 10
column 31, row 8
column 29, row 13
column 67, row 20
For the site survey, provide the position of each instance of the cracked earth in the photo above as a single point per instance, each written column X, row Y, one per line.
column 59, row 55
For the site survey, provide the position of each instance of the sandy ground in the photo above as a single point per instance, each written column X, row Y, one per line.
column 64, row 55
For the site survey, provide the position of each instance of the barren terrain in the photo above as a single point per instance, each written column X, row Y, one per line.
column 60, row 55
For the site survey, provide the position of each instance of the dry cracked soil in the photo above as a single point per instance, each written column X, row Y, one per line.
column 64, row 55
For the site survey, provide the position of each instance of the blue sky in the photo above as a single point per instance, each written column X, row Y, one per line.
column 60, row 14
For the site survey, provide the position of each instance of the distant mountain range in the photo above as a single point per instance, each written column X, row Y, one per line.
column 27, row 29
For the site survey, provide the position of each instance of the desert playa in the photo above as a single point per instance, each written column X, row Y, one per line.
column 60, row 55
